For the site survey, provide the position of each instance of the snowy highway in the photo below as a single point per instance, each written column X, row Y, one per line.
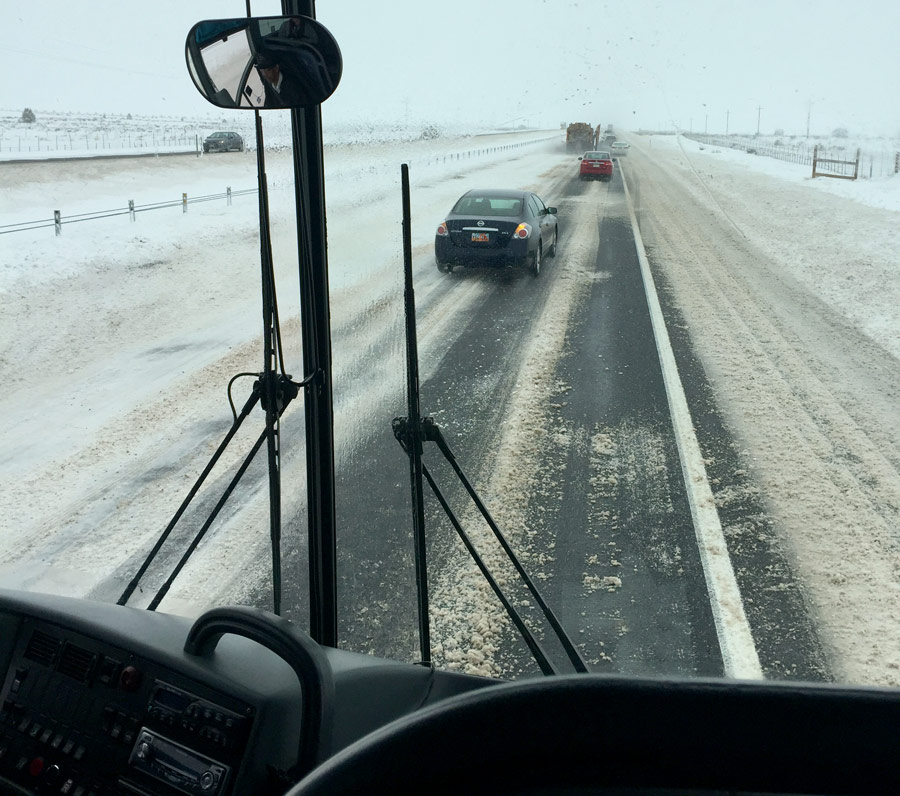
column 549, row 391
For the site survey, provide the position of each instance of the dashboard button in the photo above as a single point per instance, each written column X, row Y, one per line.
column 53, row 776
column 144, row 751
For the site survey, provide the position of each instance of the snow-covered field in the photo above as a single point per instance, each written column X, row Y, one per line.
column 64, row 135
column 117, row 336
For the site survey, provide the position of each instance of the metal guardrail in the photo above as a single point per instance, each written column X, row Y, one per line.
column 58, row 219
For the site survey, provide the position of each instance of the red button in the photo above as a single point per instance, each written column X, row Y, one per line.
column 36, row 766
column 130, row 679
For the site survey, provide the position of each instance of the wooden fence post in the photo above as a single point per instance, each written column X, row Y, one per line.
column 57, row 222
column 815, row 159
column 184, row 203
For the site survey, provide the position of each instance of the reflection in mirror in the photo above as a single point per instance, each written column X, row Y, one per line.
column 263, row 62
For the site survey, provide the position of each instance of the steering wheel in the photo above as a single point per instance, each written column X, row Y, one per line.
column 594, row 733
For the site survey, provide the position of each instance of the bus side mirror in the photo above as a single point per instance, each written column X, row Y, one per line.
column 257, row 63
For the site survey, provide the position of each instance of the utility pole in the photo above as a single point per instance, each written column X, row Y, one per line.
column 727, row 114
column 758, row 114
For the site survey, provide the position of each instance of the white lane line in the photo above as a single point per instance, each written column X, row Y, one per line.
column 732, row 628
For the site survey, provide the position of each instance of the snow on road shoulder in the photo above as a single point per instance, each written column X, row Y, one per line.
column 844, row 252
column 880, row 192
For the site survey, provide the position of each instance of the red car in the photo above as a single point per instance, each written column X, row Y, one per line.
column 596, row 164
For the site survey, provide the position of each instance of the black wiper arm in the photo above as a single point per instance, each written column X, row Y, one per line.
column 433, row 434
column 412, row 436
column 284, row 391
column 238, row 420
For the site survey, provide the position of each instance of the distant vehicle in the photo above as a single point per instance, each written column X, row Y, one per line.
column 595, row 164
column 619, row 148
column 496, row 227
column 223, row 142
column 579, row 136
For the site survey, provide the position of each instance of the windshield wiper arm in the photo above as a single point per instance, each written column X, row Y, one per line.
column 274, row 389
column 411, row 432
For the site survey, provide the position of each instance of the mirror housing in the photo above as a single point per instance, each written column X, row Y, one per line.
column 258, row 63
column 551, row 211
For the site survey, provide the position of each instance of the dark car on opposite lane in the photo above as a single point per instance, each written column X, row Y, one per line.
column 497, row 228
column 223, row 142
column 595, row 164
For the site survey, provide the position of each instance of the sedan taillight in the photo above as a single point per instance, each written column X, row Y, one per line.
column 523, row 231
column 442, row 230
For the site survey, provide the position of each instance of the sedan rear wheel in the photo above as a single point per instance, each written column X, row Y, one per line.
column 536, row 262
column 551, row 252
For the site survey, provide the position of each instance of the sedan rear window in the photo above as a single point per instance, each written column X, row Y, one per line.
column 488, row 206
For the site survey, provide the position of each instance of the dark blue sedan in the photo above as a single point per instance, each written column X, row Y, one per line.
column 497, row 228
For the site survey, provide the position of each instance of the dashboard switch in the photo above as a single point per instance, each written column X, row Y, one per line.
column 144, row 751
column 130, row 679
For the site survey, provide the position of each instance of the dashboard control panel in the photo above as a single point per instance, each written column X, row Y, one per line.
column 81, row 718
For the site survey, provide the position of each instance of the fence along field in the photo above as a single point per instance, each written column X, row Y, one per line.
column 833, row 159
column 73, row 134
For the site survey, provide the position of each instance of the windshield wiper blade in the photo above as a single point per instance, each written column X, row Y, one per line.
column 433, row 433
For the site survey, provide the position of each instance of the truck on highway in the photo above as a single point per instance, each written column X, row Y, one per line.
column 579, row 137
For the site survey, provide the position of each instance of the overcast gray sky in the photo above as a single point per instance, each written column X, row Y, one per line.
column 640, row 63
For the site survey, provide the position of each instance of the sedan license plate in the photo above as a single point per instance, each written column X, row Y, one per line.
column 481, row 237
